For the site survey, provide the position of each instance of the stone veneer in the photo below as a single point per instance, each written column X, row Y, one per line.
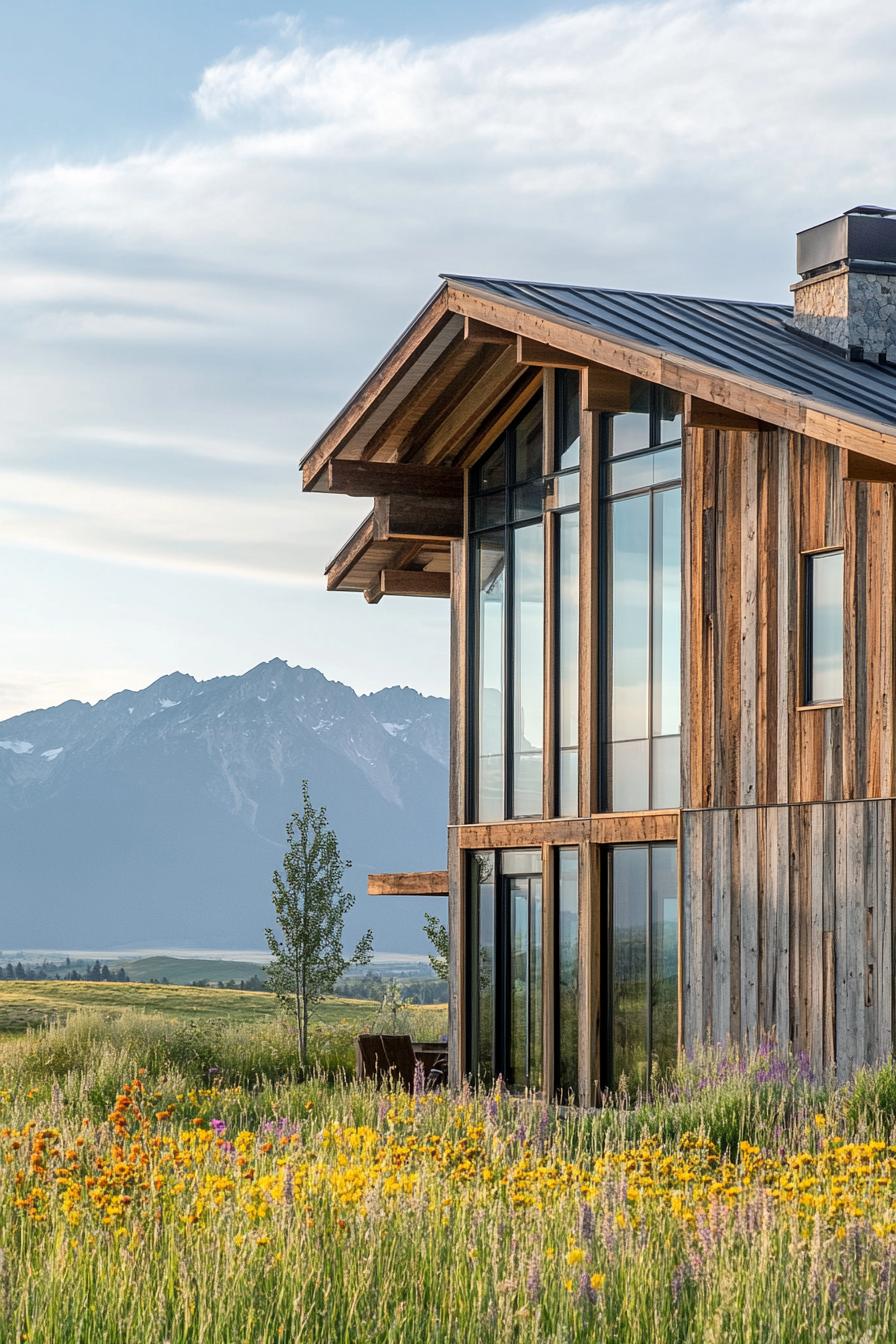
column 850, row 309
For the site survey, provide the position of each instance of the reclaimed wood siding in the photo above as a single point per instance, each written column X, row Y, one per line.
column 788, row 827
column 754, row 503
column 788, row 929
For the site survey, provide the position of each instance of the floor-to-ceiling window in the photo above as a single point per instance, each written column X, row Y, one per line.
column 507, row 560
column 640, row 965
column 566, row 971
column 563, row 501
column 506, row 967
column 641, row 592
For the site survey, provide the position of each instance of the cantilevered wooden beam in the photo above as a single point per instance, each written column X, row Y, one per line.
column 408, row 884
column 546, row 356
column 485, row 333
column 407, row 517
column 366, row 479
column 708, row 415
column 860, row 467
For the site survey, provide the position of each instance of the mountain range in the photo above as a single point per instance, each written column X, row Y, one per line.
column 156, row 817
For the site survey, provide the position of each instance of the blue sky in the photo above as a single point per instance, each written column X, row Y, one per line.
column 213, row 221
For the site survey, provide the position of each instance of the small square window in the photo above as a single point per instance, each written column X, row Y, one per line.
column 823, row 607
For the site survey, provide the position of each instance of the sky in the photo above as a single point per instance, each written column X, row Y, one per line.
column 214, row 220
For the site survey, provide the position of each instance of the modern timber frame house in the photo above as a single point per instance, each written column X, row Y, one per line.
column 667, row 530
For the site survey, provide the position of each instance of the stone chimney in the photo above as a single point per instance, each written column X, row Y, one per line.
column 847, row 294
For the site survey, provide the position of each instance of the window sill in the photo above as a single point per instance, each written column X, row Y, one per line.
column 819, row 704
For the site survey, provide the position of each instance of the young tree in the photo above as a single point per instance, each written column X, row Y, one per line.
column 310, row 904
column 438, row 935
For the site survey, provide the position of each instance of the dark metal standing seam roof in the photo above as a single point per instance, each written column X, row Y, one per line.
column 756, row 340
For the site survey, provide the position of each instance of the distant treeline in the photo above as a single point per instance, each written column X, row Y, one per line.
column 372, row 985
column 48, row 970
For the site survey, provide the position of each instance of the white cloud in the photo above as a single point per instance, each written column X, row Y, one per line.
column 208, row 303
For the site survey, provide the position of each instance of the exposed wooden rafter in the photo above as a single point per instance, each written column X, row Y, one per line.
column 709, row 415
column 546, row 356
column 860, row 467
column 485, row 333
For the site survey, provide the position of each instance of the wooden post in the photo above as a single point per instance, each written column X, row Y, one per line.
column 457, row 777
column 548, row 970
column 589, row 973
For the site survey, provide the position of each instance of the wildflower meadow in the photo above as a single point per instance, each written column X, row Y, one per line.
column 167, row 1198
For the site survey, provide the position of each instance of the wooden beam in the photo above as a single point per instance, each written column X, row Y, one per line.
column 485, row 333
column 437, row 439
column 404, row 517
column 366, row 479
column 414, row 583
column 605, row 389
column 408, row 884
column 603, row 828
column 388, row 373
column 861, row 467
column 707, row 415
column 545, row 356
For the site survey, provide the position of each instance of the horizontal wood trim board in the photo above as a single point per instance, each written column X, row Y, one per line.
column 720, row 388
column 707, row 415
column 433, row 883
column 608, row 828
column 367, row 479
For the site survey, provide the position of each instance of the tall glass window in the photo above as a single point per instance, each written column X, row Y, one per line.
column 507, row 548
column 640, row 486
column 505, row 960
column 564, row 501
column 566, row 971
column 823, row 606
column 481, row 964
column 641, row 978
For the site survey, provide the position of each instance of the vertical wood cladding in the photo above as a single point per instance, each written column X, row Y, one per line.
column 788, row 873
column 788, row 929
column 754, row 503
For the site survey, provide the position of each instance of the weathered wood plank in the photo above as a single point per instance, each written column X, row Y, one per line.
column 408, row 884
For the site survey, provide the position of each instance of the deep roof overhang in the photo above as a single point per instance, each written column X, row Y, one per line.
column 435, row 395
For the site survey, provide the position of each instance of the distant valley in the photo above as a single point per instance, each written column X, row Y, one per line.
column 156, row 817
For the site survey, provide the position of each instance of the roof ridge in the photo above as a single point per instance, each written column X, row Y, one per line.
column 599, row 289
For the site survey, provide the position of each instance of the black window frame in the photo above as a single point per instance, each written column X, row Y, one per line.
column 807, row 699
column 606, row 498
column 506, row 529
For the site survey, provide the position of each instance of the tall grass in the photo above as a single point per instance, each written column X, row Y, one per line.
column 223, row 1196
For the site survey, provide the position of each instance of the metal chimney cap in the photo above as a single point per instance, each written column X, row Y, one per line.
column 864, row 236
column 870, row 210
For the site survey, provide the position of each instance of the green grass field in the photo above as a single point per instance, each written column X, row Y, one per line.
column 30, row 1003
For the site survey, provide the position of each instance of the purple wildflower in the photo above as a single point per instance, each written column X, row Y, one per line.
column 586, row 1292
column 491, row 1110
column 219, row 1127
column 681, row 1277
column 586, row 1222
column 533, row 1280
column 419, row 1085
